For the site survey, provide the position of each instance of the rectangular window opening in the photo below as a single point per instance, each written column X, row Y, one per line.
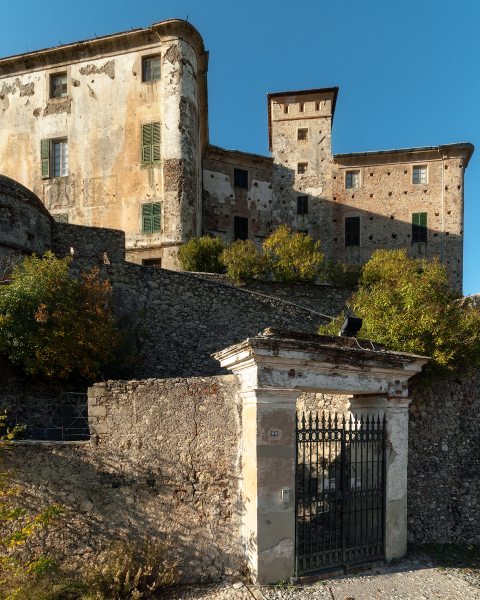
column 302, row 168
column 419, row 227
column 419, row 175
column 301, row 107
column 302, row 134
column 152, row 262
column 150, row 68
column 151, row 217
column 240, row 178
column 302, row 205
column 240, row 228
column 61, row 217
column 58, row 85
column 352, row 180
column 285, row 108
column 352, row 231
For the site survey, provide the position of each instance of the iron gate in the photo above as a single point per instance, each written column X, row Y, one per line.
column 340, row 495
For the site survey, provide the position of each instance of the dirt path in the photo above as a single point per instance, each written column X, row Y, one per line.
column 410, row 579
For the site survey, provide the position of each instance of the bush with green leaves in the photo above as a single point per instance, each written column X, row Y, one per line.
column 342, row 275
column 54, row 325
column 202, row 255
column 293, row 257
column 408, row 305
column 244, row 262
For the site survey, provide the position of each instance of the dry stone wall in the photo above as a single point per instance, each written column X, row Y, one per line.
column 180, row 319
column 444, row 462
column 164, row 459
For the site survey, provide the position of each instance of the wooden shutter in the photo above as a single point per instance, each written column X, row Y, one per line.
column 419, row 227
column 155, row 141
column 147, row 218
column 151, row 142
column 45, row 158
column 156, row 216
column 147, row 143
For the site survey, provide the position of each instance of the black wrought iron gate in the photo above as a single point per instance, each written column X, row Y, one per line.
column 340, row 495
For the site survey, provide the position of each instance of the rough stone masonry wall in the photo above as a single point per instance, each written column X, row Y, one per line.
column 181, row 319
column 163, row 459
column 444, row 462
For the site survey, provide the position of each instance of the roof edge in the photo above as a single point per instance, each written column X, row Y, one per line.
column 470, row 148
column 220, row 150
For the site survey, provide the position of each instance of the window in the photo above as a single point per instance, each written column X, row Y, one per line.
column 301, row 107
column 240, row 178
column 151, row 217
column 150, row 68
column 302, row 205
column 54, row 158
column 352, row 231
column 285, row 109
column 151, row 142
column 419, row 227
column 419, row 175
column 58, row 85
column 240, row 228
column 302, row 134
column 352, row 179
column 302, row 168
column 152, row 262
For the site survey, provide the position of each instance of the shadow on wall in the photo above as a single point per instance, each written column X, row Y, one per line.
column 167, row 464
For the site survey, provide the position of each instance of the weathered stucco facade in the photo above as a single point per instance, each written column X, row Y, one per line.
column 166, row 184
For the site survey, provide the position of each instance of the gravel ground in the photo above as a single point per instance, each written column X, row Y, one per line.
column 411, row 579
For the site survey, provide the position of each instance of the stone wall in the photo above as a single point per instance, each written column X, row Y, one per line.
column 164, row 458
column 180, row 319
column 323, row 298
column 88, row 246
column 444, row 462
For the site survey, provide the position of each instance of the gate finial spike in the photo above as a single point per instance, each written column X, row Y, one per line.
column 343, row 421
column 329, row 420
column 336, row 420
column 367, row 422
column 310, row 420
column 316, row 420
column 323, row 419
column 303, row 419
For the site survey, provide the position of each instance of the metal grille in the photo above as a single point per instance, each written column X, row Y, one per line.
column 340, row 495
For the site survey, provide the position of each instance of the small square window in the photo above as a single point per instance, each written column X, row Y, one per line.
column 302, row 168
column 150, row 68
column 352, row 231
column 302, row 205
column 151, row 217
column 240, row 178
column 352, row 180
column 419, row 227
column 302, row 134
column 419, row 175
column 58, row 85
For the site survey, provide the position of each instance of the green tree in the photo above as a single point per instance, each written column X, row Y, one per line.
column 202, row 255
column 293, row 257
column 54, row 325
column 244, row 262
column 408, row 305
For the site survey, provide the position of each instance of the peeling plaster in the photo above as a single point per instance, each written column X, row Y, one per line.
column 108, row 68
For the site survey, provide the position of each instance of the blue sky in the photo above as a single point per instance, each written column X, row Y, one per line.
column 407, row 70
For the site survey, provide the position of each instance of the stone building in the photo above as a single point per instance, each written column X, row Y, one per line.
column 113, row 132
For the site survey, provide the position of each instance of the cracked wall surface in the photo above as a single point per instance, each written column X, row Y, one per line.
column 163, row 460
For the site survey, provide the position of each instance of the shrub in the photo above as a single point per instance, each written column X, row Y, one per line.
column 54, row 325
column 293, row 257
column 134, row 571
column 17, row 526
column 342, row 274
column 202, row 255
column 408, row 305
column 244, row 262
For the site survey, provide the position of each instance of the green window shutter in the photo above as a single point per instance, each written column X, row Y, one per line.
column 147, row 143
column 45, row 158
column 147, row 218
column 423, row 220
column 156, row 216
column 155, row 141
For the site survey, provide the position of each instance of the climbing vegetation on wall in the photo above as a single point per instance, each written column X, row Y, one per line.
column 54, row 325
column 408, row 305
